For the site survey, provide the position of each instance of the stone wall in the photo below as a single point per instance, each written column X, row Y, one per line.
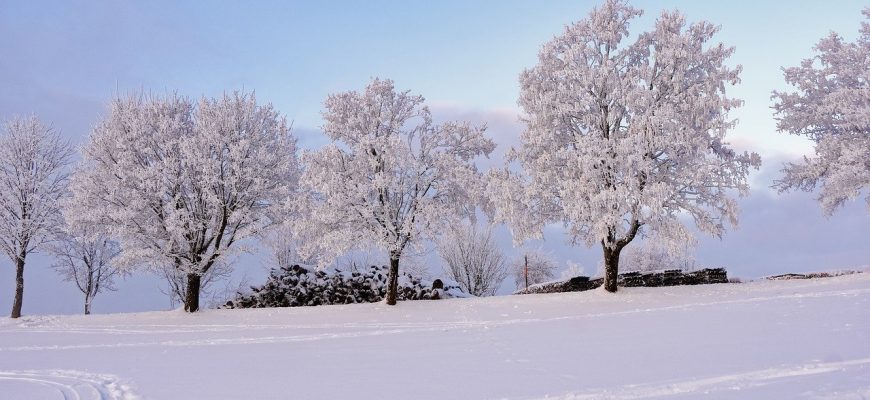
column 673, row 277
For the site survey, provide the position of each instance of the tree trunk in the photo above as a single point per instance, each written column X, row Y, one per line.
column 612, row 247
column 19, row 287
column 611, row 268
column 191, row 301
column 526, row 271
column 393, row 280
column 89, row 288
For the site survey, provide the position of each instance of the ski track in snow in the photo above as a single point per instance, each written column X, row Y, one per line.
column 215, row 342
column 737, row 381
column 370, row 329
column 73, row 385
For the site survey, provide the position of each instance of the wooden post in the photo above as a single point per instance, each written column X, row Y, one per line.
column 527, row 272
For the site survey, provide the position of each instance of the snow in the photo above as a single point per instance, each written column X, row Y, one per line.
column 795, row 339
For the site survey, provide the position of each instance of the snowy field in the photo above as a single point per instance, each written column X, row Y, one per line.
column 798, row 339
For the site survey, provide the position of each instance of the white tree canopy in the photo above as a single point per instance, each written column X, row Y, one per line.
column 625, row 134
column 178, row 184
column 831, row 107
column 620, row 135
column 33, row 177
column 391, row 177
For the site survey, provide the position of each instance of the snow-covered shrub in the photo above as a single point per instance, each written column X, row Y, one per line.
column 473, row 259
column 573, row 269
column 300, row 286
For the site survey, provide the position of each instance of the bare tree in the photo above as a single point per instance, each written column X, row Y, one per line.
column 473, row 259
column 533, row 267
column 86, row 260
column 33, row 178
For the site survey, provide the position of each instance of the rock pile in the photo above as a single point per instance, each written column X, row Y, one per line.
column 298, row 286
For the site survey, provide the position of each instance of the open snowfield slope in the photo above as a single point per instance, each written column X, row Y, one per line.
column 807, row 339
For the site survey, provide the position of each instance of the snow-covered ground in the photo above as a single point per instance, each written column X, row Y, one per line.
column 796, row 339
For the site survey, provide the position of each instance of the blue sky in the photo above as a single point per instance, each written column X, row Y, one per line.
column 64, row 60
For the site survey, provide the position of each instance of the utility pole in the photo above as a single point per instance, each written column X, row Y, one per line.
column 526, row 271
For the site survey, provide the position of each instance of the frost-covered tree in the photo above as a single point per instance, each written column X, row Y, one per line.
column 532, row 267
column 473, row 259
column 625, row 136
column 86, row 259
column 831, row 107
column 34, row 163
column 390, row 177
column 179, row 184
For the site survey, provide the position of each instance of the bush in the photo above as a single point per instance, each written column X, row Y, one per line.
column 297, row 286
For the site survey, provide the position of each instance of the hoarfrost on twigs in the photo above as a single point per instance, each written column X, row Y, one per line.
column 831, row 107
